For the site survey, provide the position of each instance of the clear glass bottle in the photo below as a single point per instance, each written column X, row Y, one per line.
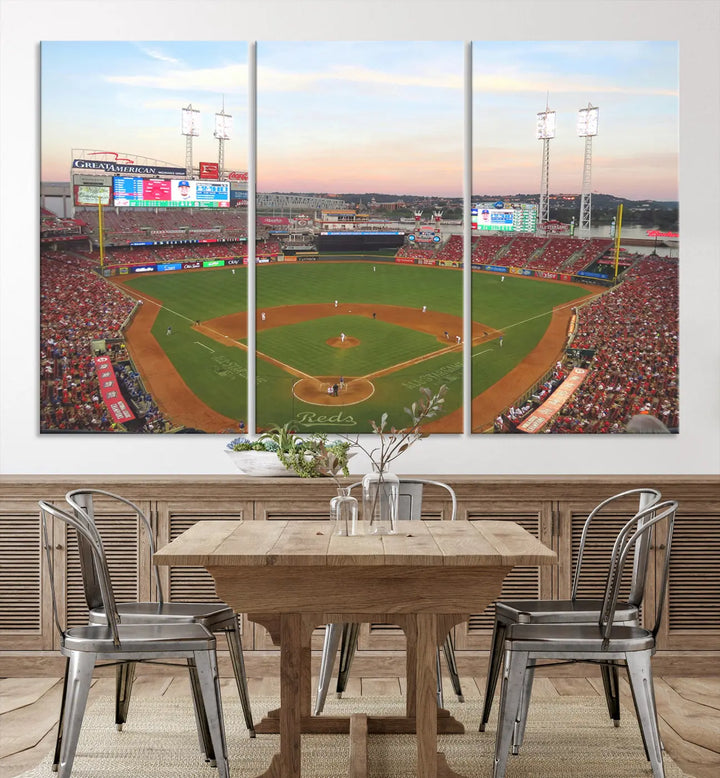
column 380, row 495
column 344, row 513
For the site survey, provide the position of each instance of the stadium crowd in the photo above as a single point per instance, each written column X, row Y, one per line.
column 633, row 330
column 78, row 307
column 183, row 252
column 122, row 227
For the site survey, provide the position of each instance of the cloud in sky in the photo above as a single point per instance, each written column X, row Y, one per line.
column 221, row 79
column 373, row 115
column 157, row 54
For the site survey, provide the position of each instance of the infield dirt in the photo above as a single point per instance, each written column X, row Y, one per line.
column 183, row 407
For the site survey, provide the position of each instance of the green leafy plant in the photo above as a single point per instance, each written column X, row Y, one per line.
column 393, row 441
column 308, row 457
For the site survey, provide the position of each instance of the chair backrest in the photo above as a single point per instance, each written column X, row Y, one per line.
column 89, row 537
column 82, row 502
column 647, row 498
column 411, row 494
column 639, row 529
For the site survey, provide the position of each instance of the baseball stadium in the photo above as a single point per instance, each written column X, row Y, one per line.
column 146, row 323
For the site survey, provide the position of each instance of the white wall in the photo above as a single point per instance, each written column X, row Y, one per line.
column 695, row 24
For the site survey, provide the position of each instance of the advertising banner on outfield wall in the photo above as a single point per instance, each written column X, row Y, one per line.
column 110, row 391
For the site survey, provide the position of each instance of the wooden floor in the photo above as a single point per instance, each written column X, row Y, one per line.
column 689, row 709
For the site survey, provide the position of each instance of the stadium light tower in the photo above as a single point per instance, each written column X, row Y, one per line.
column 190, row 129
column 587, row 127
column 223, row 128
column 545, row 133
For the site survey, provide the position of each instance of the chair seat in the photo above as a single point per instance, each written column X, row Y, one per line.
column 579, row 638
column 555, row 611
column 136, row 638
column 209, row 614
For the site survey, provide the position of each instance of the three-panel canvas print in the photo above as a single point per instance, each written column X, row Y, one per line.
column 239, row 236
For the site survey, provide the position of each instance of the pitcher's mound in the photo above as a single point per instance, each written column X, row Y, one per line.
column 349, row 342
column 315, row 391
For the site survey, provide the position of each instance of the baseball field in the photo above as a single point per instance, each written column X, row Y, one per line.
column 386, row 329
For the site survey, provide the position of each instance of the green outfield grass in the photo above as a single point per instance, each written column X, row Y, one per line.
column 519, row 306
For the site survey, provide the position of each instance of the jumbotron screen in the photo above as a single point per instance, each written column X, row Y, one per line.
column 496, row 217
column 170, row 193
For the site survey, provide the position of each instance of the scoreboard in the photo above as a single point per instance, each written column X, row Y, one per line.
column 170, row 193
column 496, row 217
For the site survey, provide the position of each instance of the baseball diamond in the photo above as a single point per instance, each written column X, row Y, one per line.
column 390, row 347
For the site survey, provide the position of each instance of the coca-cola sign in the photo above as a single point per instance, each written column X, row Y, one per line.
column 235, row 175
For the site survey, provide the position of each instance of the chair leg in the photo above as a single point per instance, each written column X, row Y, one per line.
column 333, row 633
column 347, row 652
column 238, row 663
column 641, row 682
column 449, row 651
column 523, row 708
column 201, row 722
column 494, row 665
column 124, row 678
column 61, row 720
column 438, row 674
column 510, row 693
column 612, row 690
column 80, row 670
column 206, row 664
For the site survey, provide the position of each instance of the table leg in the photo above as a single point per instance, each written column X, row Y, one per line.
column 295, row 632
column 425, row 694
column 430, row 763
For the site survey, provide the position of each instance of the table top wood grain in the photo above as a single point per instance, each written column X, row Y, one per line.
column 295, row 543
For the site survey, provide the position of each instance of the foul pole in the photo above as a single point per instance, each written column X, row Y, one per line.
column 100, row 234
column 618, row 230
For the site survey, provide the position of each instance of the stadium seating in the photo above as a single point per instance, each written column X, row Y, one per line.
column 488, row 249
column 415, row 252
column 555, row 254
column 77, row 306
column 452, row 250
column 124, row 227
column 593, row 250
column 633, row 330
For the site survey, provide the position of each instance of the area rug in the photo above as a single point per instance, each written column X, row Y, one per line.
column 565, row 738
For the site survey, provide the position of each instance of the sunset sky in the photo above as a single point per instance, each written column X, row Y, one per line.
column 635, row 86
column 127, row 97
column 383, row 116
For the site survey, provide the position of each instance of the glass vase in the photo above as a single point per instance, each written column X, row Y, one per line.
column 380, row 495
column 344, row 513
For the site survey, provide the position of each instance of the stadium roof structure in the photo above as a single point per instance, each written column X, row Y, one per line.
column 278, row 200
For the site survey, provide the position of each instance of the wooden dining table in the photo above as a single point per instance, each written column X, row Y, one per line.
column 292, row 576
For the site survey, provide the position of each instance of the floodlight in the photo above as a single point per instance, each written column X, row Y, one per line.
column 587, row 122
column 546, row 125
column 190, row 121
column 223, row 126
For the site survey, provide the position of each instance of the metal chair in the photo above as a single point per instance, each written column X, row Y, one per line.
column 117, row 642
column 214, row 616
column 574, row 610
column 600, row 643
column 346, row 635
